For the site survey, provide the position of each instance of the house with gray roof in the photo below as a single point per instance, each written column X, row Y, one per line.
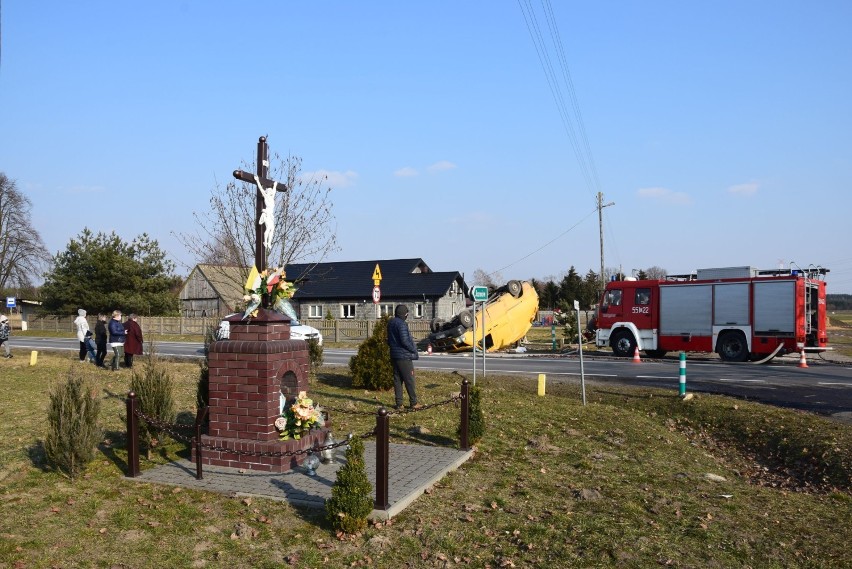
column 344, row 290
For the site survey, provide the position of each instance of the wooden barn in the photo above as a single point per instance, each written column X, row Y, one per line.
column 212, row 290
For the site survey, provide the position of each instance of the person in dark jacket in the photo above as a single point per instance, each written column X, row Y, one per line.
column 403, row 352
column 116, row 338
column 101, row 340
column 132, row 341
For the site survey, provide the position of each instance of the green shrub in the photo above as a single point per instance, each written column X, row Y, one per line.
column 202, row 390
column 72, row 423
column 315, row 354
column 154, row 388
column 351, row 495
column 371, row 367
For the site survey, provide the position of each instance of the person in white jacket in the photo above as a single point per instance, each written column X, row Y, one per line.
column 82, row 327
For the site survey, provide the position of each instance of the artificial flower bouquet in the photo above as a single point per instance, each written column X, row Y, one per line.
column 272, row 283
column 299, row 418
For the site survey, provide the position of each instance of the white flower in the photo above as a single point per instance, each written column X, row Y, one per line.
column 281, row 423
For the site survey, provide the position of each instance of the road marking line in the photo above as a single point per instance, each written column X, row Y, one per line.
column 745, row 380
column 830, row 383
column 672, row 377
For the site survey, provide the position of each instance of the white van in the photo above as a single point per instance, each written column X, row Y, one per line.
column 300, row 332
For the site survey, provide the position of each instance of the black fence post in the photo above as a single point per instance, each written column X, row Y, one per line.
column 382, row 458
column 199, row 421
column 132, row 437
column 464, row 443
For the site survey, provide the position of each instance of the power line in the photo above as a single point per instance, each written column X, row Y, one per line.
column 513, row 263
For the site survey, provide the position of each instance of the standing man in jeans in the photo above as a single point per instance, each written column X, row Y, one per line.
column 403, row 352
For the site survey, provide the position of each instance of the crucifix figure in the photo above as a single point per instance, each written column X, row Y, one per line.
column 264, row 203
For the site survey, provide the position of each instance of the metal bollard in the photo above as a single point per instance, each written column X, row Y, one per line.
column 132, row 437
column 464, row 443
column 382, row 458
column 199, row 421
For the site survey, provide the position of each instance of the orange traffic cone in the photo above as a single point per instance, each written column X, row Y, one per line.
column 802, row 361
column 636, row 358
column 429, row 350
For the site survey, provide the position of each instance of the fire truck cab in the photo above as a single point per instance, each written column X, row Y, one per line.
column 737, row 312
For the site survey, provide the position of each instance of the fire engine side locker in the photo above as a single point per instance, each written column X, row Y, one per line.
column 685, row 317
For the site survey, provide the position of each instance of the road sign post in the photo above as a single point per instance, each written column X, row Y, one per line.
column 580, row 347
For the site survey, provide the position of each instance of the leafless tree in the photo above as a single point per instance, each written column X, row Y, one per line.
column 305, row 228
column 23, row 256
column 491, row 280
column 656, row 273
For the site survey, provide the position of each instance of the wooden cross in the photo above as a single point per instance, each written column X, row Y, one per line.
column 263, row 184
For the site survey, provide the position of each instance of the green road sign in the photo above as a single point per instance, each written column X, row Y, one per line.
column 479, row 293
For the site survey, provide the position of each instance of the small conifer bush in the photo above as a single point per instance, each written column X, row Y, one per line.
column 476, row 421
column 154, row 388
column 315, row 354
column 351, row 495
column 202, row 391
column 72, row 423
column 371, row 367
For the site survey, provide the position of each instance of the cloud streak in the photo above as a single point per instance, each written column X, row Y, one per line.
column 744, row 189
column 407, row 172
column 664, row 195
column 332, row 178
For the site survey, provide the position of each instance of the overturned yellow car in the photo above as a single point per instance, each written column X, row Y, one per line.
column 509, row 313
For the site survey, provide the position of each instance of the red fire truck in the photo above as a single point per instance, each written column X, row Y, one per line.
column 737, row 312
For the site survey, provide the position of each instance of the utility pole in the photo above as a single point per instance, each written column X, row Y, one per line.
column 602, row 205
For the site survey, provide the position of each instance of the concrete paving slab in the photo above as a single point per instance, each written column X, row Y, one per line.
column 413, row 469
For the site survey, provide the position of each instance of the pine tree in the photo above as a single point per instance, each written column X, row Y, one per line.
column 351, row 495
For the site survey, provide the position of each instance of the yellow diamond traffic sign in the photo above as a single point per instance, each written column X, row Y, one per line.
column 377, row 275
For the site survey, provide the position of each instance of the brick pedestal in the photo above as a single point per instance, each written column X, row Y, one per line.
column 248, row 373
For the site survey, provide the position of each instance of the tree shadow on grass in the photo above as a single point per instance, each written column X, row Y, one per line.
column 38, row 456
column 341, row 381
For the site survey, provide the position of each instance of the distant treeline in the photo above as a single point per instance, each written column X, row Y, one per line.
column 838, row 301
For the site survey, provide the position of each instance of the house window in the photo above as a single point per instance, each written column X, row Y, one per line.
column 347, row 311
column 418, row 311
column 315, row 311
column 384, row 310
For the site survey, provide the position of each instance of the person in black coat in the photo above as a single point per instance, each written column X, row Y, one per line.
column 100, row 340
column 403, row 353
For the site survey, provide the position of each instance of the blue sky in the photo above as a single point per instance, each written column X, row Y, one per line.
column 720, row 130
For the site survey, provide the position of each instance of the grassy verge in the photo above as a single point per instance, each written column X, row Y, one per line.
column 636, row 478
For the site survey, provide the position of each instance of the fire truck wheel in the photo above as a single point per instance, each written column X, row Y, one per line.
column 623, row 344
column 466, row 318
column 733, row 347
column 514, row 288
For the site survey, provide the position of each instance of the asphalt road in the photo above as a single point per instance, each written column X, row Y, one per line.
column 823, row 387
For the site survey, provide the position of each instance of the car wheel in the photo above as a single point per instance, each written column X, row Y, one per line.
column 436, row 324
column 623, row 344
column 733, row 347
column 466, row 318
column 514, row 288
